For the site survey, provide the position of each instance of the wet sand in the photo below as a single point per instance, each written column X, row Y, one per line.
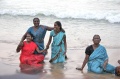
column 9, row 65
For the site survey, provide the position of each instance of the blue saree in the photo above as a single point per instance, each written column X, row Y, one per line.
column 57, row 47
column 38, row 36
column 97, row 59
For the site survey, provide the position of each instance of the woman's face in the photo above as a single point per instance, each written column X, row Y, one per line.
column 96, row 39
column 36, row 22
column 28, row 37
column 56, row 27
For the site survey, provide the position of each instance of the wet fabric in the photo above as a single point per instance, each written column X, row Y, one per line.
column 89, row 50
column 57, row 47
column 28, row 69
column 27, row 56
column 97, row 59
column 38, row 36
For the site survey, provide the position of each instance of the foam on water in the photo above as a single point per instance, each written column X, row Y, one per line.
column 79, row 9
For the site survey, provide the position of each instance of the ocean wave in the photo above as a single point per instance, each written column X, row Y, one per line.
column 110, row 16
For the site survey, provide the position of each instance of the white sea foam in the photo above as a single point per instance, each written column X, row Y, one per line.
column 77, row 9
column 111, row 16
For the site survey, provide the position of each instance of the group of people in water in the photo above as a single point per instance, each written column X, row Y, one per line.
column 33, row 51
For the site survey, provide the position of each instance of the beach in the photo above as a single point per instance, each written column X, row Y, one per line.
column 80, row 24
column 10, row 69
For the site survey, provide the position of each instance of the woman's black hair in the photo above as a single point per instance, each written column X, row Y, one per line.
column 36, row 18
column 60, row 25
column 29, row 34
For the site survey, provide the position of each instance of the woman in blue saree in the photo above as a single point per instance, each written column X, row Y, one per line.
column 97, row 58
column 59, row 45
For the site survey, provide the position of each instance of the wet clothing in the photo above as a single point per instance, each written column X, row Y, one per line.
column 89, row 50
column 38, row 36
column 57, row 47
column 97, row 59
column 27, row 56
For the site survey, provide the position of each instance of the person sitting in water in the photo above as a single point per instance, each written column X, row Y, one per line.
column 27, row 49
column 97, row 58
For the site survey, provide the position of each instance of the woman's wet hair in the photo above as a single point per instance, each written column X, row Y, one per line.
column 60, row 25
column 36, row 18
column 96, row 35
column 29, row 34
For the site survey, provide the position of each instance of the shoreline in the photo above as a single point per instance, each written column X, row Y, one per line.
column 9, row 62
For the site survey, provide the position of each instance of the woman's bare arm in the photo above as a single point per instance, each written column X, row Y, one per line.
column 19, row 47
column 50, row 28
column 49, row 41
column 39, row 51
column 84, row 63
column 65, row 43
column 23, row 38
column 105, row 64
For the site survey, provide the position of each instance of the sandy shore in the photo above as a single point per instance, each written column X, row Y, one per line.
column 9, row 66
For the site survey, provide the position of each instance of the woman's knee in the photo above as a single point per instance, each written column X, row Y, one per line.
column 97, row 70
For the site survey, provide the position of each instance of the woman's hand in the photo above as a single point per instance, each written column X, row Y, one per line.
column 105, row 64
column 20, row 44
column 64, row 53
column 45, row 51
column 40, row 51
column 47, row 47
column 19, row 47
column 81, row 69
